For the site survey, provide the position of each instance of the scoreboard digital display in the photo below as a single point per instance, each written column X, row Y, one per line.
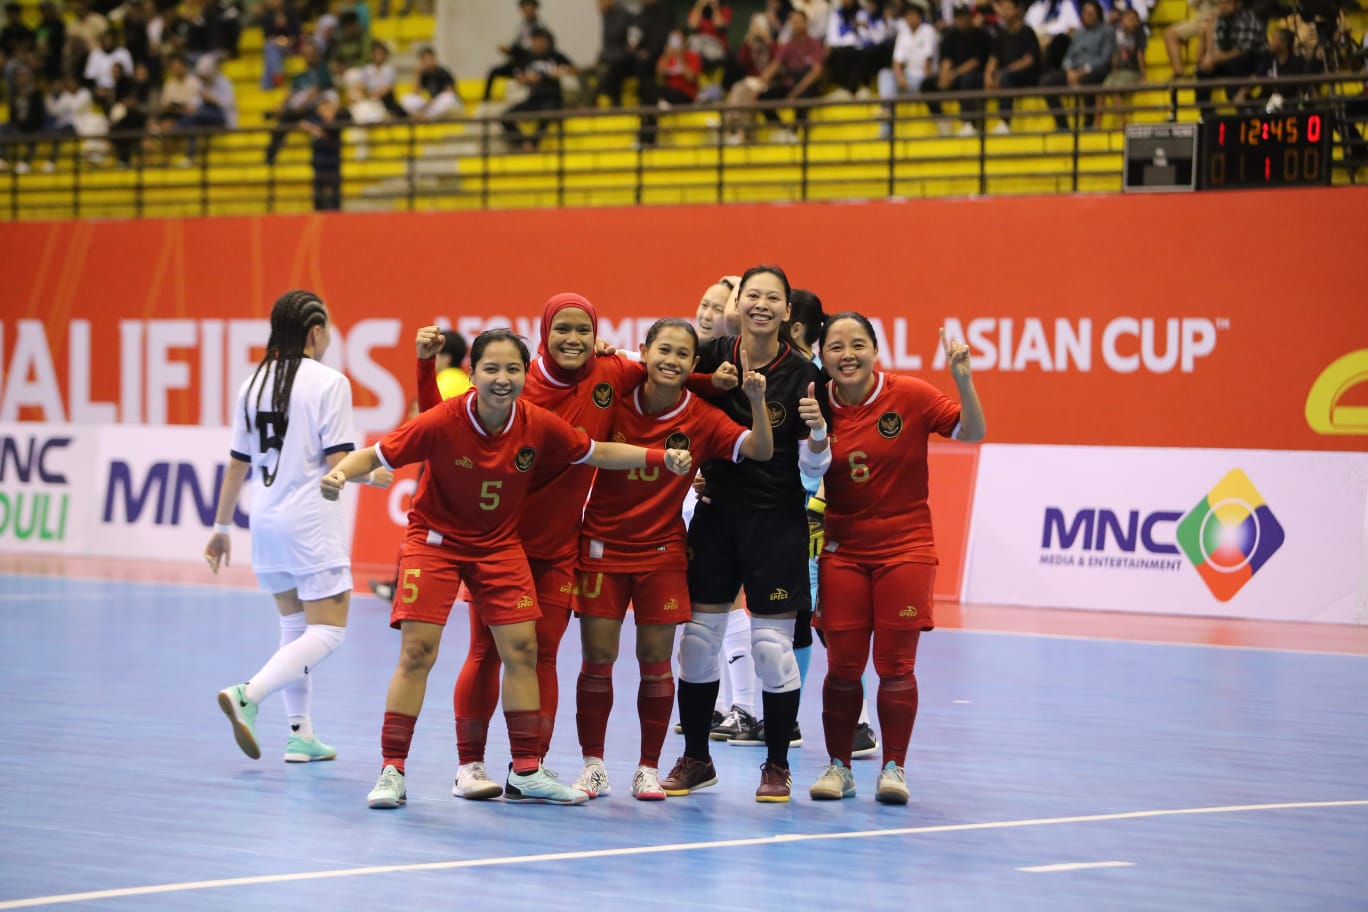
column 1282, row 150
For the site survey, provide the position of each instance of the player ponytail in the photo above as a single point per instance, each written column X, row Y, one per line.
column 805, row 308
column 293, row 317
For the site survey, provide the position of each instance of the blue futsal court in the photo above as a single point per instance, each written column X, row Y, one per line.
column 1047, row 773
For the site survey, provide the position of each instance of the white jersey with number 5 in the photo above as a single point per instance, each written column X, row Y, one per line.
column 293, row 528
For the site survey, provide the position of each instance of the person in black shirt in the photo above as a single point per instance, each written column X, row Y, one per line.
column 615, row 57
column 325, row 126
column 750, row 532
column 15, row 38
column 519, row 52
column 541, row 73
column 440, row 86
column 27, row 115
column 964, row 52
column 51, row 40
column 1015, row 61
column 647, row 37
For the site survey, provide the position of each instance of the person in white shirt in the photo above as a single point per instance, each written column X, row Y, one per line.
column 1053, row 21
column 292, row 424
column 916, row 53
column 99, row 67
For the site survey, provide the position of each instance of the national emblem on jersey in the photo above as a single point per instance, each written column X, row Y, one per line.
column 619, row 437
column 523, row 461
column 776, row 413
column 890, row 424
column 603, row 395
column 677, row 441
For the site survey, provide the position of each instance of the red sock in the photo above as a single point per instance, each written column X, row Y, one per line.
column 524, row 734
column 897, row 714
column 396, row 734
column 841, row 700
column 655, row 700
column 477, row 694
column 593, row 703
column 550, row 630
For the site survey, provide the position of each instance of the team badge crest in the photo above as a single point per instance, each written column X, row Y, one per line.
column 890, row 424
column 677, row 441
column 603, row 395
column 776, row 413
column 523, row 461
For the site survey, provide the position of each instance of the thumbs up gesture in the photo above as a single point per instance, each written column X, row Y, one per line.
column 811, row 412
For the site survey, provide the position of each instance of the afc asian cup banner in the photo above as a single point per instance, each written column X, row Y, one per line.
column 1231, row 533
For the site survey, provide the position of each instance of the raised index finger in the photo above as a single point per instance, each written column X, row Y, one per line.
column 945, row 341
column 745, row 362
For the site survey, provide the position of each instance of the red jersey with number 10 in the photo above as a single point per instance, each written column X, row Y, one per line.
column 477, row 482
column 876, row 488
column 633, row 520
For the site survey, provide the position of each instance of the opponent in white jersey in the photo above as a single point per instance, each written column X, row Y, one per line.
column 292, row 423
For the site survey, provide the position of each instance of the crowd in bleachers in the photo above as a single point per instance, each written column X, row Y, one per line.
column 149, row 70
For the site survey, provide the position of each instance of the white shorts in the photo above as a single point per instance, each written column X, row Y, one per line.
column 311, row 587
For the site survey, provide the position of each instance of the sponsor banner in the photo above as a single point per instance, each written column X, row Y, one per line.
column 117, row 491
column 1232, row 533
column 158, row 322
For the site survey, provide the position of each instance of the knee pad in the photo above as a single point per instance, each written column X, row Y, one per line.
column 772, row 648
column 699, row 647
column 330, row 636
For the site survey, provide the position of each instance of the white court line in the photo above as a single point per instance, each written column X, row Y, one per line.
column 646, row 850
column 1076, row 866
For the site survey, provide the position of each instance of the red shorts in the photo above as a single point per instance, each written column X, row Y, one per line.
column 555, row 581
column 859, row 595
column 500, row 587
column 656, row 596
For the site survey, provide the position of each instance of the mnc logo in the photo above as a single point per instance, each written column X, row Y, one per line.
column 1230, row 535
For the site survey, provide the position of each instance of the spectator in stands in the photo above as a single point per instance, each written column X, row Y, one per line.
column 795, row 72
column 135, row 36
column 73, row 111
column 86, row 27
column 541, row 73
column 440, row 86
column 1128, row 60
column 614, row 62
column 845, row 62
column 1015, row 61
column 51, row 41
column 755, row 55
column 678, row 72
column 225, row 26
column 192, row 28
column 818, row 14
column 217, row 103
column 16, row 42
column 99, row 68
column 325, row 126
column 651, row 30
column 180, row 97
column 128, row 116
column 518, row 51
column 376, row 83
column 1053, row 21
column 1282, row 60
column 1232, row 48
column 350, row 47
column 305, row 90
column 915, row 59
column 708, row 22
column 27, row 116
column 1087, row 63
column 280, row 37
column 963, row 54
column 1178, row 35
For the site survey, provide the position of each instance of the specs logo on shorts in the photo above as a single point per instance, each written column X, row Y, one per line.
column 1230, row 534
column 603, row 395
column 526, row 602
column 672, row 605
column 523, row 461
column 776, row 413
column 463, row 463
column 567, row 588
column 890, row 424
column 677, row 441
column 779, row 595
column 909, row 612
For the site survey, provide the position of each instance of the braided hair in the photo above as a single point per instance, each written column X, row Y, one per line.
column 293, row 317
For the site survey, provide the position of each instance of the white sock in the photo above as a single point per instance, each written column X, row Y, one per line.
column 740, row 668
column 864, row 712
column 296, row 694
column 724, row 694
column 293, row 661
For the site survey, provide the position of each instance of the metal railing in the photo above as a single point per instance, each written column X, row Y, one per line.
column 849, row 150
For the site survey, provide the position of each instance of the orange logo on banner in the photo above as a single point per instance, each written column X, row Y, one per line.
column 1324, row 414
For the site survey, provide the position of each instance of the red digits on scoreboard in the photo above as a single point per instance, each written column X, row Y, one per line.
column 1313, row 128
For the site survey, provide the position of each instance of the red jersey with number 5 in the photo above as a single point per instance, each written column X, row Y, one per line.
column 876, row 488
column 633, row 521
column 477, row 482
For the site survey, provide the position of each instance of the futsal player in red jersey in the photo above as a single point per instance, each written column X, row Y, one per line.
column 877, row 569
column 482, row 449
column 632, row 545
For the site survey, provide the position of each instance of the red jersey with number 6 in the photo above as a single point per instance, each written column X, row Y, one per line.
column 876, row 488
column 477, row 481
column 633, row 521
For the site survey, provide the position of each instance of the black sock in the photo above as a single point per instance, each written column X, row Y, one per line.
column 781, row 714
column 695, row 715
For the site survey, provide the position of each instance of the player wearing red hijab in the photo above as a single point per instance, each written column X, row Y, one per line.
column 481, row 451
column 877, row 569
